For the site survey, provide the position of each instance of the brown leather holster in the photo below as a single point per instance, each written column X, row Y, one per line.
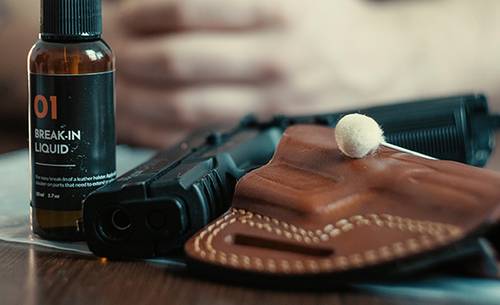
column 311, row 210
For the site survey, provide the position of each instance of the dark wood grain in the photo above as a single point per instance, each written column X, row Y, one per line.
column 32, row 275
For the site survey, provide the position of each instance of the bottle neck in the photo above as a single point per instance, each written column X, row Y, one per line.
column 69, row 39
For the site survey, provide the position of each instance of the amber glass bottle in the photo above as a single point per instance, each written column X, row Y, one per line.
column 71, row 115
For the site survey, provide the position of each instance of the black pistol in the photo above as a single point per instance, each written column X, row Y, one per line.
column 154, row 208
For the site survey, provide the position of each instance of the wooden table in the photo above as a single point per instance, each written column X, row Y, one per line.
column 33, row 275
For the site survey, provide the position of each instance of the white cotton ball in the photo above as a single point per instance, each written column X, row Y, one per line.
column 358, row 135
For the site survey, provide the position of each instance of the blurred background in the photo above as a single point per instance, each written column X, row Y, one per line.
column 184, row 64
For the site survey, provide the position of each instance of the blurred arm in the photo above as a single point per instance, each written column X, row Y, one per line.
column 18, row 32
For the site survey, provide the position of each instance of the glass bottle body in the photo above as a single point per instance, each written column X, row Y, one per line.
column 71, row 60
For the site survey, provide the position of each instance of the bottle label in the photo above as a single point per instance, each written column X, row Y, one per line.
column 72, row 137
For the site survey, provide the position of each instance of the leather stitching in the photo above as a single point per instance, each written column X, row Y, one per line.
column 432, row 235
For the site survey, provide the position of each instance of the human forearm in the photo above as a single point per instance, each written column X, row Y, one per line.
column 405, row 49
column 18, row 31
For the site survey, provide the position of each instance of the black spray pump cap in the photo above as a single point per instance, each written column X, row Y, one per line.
column 62, row 20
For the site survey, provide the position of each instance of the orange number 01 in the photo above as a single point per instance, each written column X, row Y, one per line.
column 41, row 112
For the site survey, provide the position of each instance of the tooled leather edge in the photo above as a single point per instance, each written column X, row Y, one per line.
column 432, row 235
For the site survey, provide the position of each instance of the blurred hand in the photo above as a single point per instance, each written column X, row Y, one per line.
column 183, row 64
